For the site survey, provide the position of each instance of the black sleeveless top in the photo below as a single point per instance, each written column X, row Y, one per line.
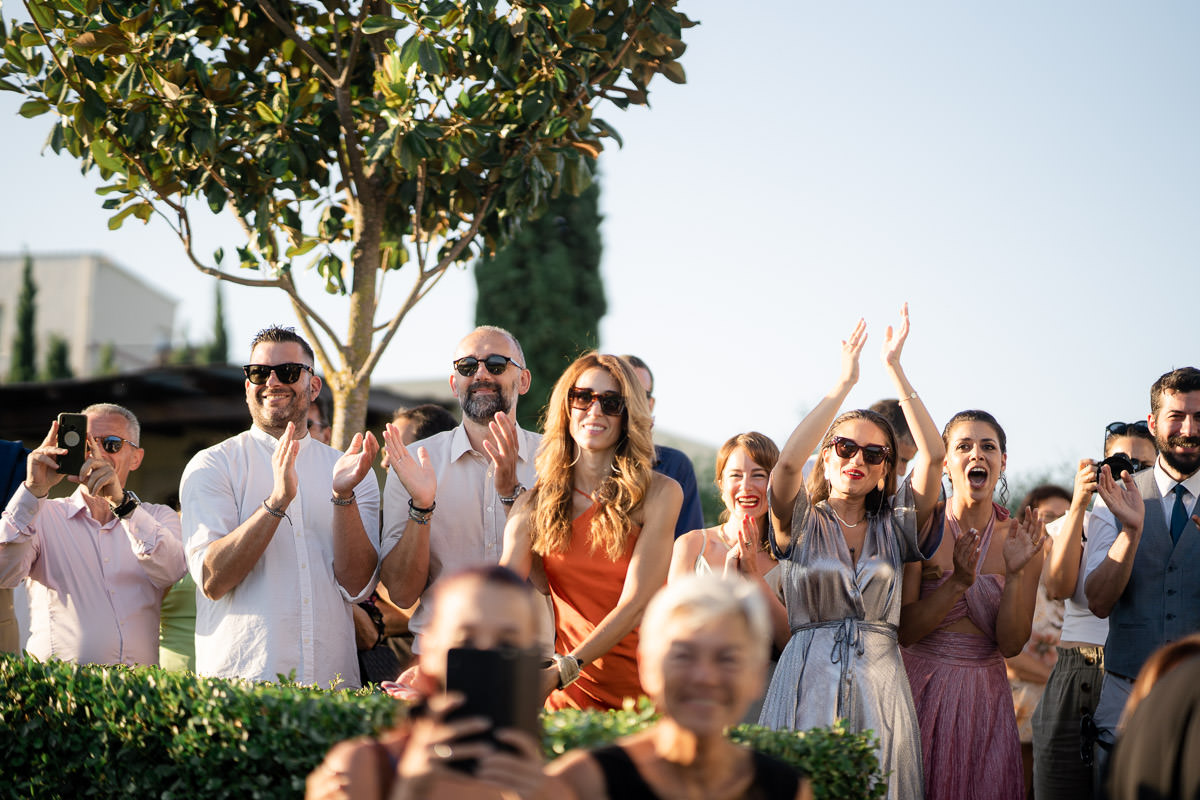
column 772, row 778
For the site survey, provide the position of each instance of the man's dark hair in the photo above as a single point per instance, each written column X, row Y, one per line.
column 889, row 408
column 1182, row 380
column 637, row 363
column 277, row 334
column 427, row 419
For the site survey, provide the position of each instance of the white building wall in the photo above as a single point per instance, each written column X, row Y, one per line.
column 90, row 301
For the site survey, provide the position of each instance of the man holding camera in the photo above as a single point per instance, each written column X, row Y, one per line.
column 100, row 560
column 1143, row 571
column 280, row 532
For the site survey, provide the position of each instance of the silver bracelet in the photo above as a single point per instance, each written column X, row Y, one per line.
column 568, row 669
column 281, row 514
column 345, row 502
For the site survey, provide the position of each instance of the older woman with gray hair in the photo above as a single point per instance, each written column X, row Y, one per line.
column 703, row 667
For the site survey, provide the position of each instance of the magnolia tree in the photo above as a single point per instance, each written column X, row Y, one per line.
column 354, row 139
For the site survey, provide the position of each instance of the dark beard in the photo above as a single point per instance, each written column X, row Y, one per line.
column 296, row 411
column 1183, row 464
column 481, row 410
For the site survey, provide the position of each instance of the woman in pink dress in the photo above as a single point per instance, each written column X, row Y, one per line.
column 964, row 611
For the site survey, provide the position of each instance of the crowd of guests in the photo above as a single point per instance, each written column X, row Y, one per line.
column 993, row 654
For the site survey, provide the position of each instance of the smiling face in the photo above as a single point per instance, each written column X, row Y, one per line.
column 274, row 404
column 483, row 394
column 974, row 460
column 704, row 677
column 743, row 484
column 1176, row 429
column 591, row 428
column 854, row 477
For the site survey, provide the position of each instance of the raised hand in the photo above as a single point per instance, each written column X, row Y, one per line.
column 353, row 465
column 42, row 464
column 893, row 343
column 283, row 468
column 503, row 452
column 966, row 557
column 851, row 350
column 1123, row 499
column 419, row 478
column 1025, row 539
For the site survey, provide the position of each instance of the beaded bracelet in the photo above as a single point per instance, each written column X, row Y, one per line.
column 279, row 513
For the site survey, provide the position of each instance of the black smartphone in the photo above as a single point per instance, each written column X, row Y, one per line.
column 500, row 685
column 72, row 435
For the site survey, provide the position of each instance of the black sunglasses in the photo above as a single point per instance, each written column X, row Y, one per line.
column 112, row 444
column 872, row 453
column 611, row 403
column 258, row 374
column 1122, row 428
column 495, row 363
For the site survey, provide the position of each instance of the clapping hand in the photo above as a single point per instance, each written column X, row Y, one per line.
column 419, row 479
column 352, row 467
column 742, row 558
column 1024, row 541
column 967, row 550
column 503, row 452
column 1123, row 499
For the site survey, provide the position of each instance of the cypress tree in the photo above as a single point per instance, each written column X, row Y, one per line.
column 58, row 360
column 545, row 287
column 24, row 356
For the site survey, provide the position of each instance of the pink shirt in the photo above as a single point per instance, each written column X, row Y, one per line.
column 95, row 590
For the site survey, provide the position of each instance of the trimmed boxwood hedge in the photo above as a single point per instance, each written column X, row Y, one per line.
column 92, row 731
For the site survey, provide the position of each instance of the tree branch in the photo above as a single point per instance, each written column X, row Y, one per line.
column 419, row 289
column 303, row 44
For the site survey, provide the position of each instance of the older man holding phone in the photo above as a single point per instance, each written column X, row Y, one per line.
column 98, row 561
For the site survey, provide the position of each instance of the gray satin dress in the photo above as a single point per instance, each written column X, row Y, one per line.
column 843, row 660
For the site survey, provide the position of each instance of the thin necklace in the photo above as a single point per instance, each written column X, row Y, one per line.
column 839, row 517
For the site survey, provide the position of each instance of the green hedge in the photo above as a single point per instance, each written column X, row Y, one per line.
column 70, row 731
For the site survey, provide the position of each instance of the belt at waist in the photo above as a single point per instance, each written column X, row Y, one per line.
column 848, row 639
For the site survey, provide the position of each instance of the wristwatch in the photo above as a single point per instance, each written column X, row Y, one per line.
column 517, row 492
column 128, row 503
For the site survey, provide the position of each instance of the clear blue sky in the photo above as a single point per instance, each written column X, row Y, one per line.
column 1025, row 175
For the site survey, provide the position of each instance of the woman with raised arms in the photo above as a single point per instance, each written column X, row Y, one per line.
column 842, row 541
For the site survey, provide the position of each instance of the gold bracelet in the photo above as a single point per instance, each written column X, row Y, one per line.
column 912, row 396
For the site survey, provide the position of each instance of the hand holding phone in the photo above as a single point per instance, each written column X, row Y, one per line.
column 72, row 437
column 501, row 686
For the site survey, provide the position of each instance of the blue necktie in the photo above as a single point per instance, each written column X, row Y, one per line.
column 1179, row 515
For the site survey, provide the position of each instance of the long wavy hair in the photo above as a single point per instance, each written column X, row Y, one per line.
column 619, row 494
column 818, row 484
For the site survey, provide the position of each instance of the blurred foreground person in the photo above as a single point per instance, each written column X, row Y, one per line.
column 486, row 608
column 1158, row 753
column 703, row 667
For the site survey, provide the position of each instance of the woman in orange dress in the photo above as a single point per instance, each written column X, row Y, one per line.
column 595, row 531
